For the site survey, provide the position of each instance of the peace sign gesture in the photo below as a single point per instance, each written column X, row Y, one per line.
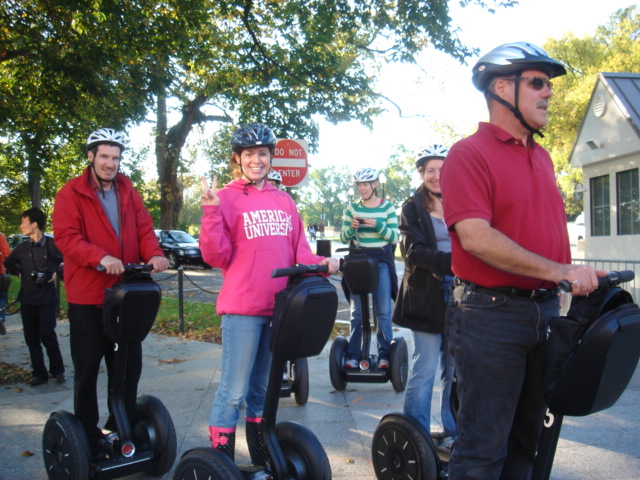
column 210, row 195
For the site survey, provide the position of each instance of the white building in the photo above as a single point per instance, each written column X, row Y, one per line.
column 607, row 149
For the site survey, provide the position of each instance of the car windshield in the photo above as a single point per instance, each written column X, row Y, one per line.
column 180, row 237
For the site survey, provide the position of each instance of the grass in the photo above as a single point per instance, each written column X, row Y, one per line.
column 201, row 322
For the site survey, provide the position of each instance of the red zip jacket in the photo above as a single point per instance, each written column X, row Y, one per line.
column 84, row 236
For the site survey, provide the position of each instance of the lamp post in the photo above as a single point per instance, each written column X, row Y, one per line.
column 383, row 179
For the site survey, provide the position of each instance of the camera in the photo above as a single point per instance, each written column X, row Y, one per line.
column 361, row 220
column 39, row 277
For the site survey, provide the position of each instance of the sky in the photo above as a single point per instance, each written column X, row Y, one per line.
column 442, row 91
column 439, row 90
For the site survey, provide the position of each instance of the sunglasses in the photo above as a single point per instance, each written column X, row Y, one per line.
column 537, row 83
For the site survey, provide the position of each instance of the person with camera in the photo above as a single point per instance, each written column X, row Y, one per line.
column 36, row 262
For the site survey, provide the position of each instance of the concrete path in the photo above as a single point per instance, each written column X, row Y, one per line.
column 184, row 375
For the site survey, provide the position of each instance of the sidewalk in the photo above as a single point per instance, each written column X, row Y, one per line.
column 184, row 375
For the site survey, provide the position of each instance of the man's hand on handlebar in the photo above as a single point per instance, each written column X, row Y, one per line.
column 159, row 263
column 111, row 265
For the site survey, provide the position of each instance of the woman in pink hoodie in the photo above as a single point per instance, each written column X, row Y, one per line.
column 249, row 228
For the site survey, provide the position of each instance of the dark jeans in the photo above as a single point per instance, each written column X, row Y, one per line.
column 499, row 345
column 88, row 346
column 39, row 326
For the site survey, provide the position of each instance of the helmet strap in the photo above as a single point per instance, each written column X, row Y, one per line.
column 515, row 109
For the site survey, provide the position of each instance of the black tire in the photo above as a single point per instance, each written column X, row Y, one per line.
column 206, row 463
column 337, row 358
column 300, row 384
column 65, row 448
column 155, row 431
column 305, row 456
column 206, row 266
column 173, row 260
column 399, row 364
column 401, row 451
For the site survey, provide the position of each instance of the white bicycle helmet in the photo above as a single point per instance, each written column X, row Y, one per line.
column 275, row 175
column 432, row 151
column 105, row 135
column 366, row 175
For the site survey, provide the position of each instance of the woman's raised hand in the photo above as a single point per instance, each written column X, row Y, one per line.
column 210, row 195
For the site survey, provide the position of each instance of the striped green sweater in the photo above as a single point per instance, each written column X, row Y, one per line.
column 385, row 231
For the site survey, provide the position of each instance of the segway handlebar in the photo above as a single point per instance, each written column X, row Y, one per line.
column 610, row 280
column 299, row 269
column 131, row 268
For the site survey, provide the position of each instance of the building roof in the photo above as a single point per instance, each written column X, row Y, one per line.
column 625, row 88
column 610, row 126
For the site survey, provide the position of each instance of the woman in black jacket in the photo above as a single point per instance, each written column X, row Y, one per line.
column 425, row 290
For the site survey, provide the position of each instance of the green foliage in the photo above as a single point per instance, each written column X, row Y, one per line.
column 326, row 196
column 614, row 48
column 400, row 175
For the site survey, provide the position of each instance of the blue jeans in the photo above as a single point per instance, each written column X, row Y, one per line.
column 246, row 360
column 499, row 346
column 382, row 306
column 3, row 304
column 427, row 349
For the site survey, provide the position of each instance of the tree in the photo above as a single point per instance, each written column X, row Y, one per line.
column 69, row 67
column 326, row 197
column 282, row 63
column 63, row 74
column 615, row 47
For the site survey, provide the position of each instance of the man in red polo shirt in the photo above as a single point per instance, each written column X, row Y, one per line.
column 510, row 248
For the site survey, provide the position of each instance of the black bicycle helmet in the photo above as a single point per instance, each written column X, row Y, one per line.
column 105, row 135
column 252, row 135
column 512, row 58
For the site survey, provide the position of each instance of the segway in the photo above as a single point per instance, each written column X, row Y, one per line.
column 295, row 381
column 302, row 322
column 593, row 353
column 131, row 307
column 361, row 277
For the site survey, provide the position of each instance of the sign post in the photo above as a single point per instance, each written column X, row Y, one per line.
column 291, row 161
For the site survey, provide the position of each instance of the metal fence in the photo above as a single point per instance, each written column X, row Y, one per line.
column 617, row 266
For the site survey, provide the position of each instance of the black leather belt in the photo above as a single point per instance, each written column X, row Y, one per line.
column 540, row 295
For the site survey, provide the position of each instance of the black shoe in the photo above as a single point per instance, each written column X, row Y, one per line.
column 3, row 329
column 37, row 380
column 60, row 378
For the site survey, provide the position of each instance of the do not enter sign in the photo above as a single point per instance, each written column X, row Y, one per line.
column 290, row 160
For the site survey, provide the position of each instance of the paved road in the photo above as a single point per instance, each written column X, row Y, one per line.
column 184, row 374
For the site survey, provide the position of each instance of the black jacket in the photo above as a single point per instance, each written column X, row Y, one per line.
column 420, row 305
column 27, row 258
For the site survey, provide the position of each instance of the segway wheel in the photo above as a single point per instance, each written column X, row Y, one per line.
column 400, row 450
column 337, row 358
column 208, row 464
column 155, row 432
column 399, row 360
column 305, row 456
column 65, row 448
column 300, row 385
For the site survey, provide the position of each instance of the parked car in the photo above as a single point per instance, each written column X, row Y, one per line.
column 577, row 231
column 16, row 238
column 180, row 248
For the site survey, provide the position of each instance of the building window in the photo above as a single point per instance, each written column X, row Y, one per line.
column 628, row 212
column 600, row 206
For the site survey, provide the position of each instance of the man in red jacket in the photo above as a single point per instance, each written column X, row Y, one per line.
column 99, row 220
